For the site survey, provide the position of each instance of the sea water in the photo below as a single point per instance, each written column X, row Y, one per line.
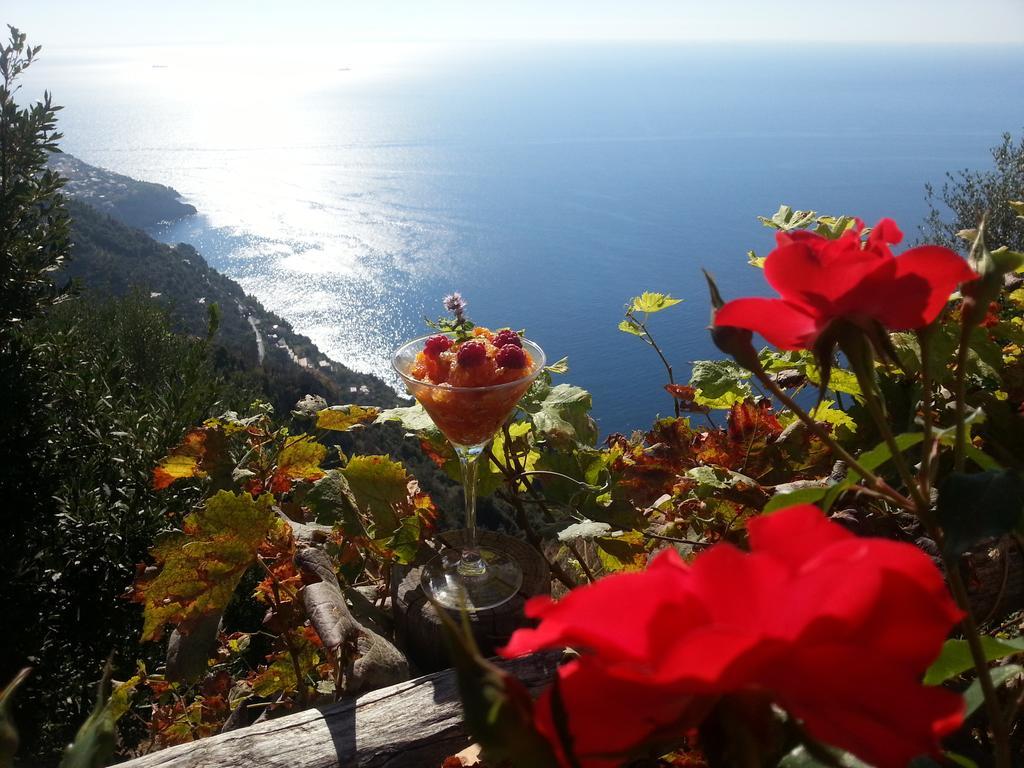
column 350, row 189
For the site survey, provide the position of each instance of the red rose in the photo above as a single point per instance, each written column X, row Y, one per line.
column 822, row 280
column 838, row 630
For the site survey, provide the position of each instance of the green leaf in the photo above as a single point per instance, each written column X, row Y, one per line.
column 955, row 658
column 342, row 418
column 380, row 487
column 586, row 529
column 1007, row 260
column 392, row 501
column 833, row 227
column 1017, row 205
column 559, row 366
column 755, row 261
column 877, row 456
column 622, row 552
column 842, row 423
column 786, row 219
column 561, row 414
column 413, row 418
column 96, row 738
column 870, row 460
column 497, row 708
column 840, row 380
column 801, row 758
column 489, row 476
column 331, row 501
column 629, row 326
column 977, row 506
column 300, row 458
column 8, row 733
column 201, row 567
column 801, row 496
column 720, row 383
column 648, row 302
column 974, row 697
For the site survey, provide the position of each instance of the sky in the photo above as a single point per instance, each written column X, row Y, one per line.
column 322, row 23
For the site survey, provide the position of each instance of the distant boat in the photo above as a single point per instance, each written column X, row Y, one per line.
column 159, row 66
column 344, row 69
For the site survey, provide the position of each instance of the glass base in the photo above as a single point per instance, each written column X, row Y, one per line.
column 499, row 582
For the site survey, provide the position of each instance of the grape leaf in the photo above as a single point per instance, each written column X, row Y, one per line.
column 413, row 418
column 203, row 451
column 630, row 326
column 839, row 419
column 200, row 568
column 586, row 529
column 397, row 511
column 561, row 413
column 298, row 460
column 279, row 676
column 648, row 302
column 720, row 383
column 331, row 501
column 560, row 366
column 342, row 418
column 786, row 219
column 622, row 552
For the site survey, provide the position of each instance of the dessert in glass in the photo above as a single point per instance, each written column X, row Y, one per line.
column 469, row 384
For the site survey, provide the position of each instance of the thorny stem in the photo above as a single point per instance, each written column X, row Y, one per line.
column 869, row 387
column 997, row 720
column 961, row 399
column 925, row 477
column 878, row 484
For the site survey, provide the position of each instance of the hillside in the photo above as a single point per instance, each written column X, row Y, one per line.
column 112, row 258
column 133, row 202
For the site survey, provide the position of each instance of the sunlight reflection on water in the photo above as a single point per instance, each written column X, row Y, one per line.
column 547, row 184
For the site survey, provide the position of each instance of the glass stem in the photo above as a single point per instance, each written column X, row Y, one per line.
column 471, row 564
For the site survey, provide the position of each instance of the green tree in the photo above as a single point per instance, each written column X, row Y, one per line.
column 968, row 195
column 113, row 388
column 34, row 225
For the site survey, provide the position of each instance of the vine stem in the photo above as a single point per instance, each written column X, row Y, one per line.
column 539, row 498
column 870, row 477
column 524, row 522
column 664, row 361
column 300, row 684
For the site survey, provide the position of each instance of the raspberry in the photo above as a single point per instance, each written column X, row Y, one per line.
column 435, row 345
column 471, row 353
column 501, row 338
column 511, row 356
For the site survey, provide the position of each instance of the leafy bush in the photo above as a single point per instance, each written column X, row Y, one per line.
column 968, row 195
column 97, row 395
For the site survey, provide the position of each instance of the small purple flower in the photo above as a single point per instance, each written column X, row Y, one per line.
column 455, row 304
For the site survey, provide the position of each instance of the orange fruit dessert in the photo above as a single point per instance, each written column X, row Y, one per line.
column 473, row 385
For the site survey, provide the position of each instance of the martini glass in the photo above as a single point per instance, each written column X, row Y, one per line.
column 473, row 577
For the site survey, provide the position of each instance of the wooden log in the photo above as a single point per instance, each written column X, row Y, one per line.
column 415, row 724
column 417, row 624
